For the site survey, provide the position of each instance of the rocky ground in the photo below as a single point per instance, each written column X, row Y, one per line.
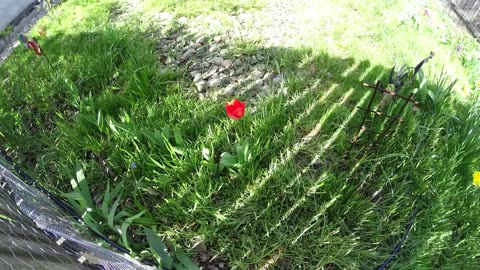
column 207, row 47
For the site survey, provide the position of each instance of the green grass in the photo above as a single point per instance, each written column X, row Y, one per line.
column 194, row 8
column 298, row 202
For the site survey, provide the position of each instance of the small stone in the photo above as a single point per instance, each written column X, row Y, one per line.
column 214, row 76
column 258, row 73
column 164, row 16
column 182, row 20
column 217, row 38
column 233, row 78
column 237, row 62
column 169, row 61
column 258, row 82
column 216, row 60
column 222, row 69
column 229, row 90
column 221, row 265
column 200, row 40
column 196, row 45
column 240, row 71
column 197, row 78
column 278, row 79
column 163, row 47
column 213, row 48
column 193, row 73
column 214, row 83
column 231, row 73
column 187, row 54
column 179, row 38
column 261, row 66
column 260, row 57
column 205, row 65
column 227, row 63
column 201, row 50
column 193, row 67
column 268, row 76
column 210, row 72
column 223, row 52
column 201, row 86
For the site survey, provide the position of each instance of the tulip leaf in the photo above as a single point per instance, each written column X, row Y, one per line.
column 111, row 213
column 166, row 132
column 228, row 159
column 211, row 166
column 106, row 201
column 125, row 226
column 178, row 150
column 184, row 262
column 243, row 153
column 121, row 215
column 159, row 247
column 178, row 137
column 431, row 95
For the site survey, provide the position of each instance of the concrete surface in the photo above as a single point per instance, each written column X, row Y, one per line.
column 11, row 9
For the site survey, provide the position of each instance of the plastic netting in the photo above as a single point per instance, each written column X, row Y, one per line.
column 35, row 233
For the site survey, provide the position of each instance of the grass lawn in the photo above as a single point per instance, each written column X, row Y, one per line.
column 296, row 198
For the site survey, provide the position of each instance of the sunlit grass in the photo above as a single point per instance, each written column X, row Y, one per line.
column 302, row 200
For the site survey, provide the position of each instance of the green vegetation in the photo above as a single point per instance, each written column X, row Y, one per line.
column 288, row 194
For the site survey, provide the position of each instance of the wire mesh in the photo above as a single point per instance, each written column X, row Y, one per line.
column 35, row 233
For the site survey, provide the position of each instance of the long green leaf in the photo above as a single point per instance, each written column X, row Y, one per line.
column 76, row 201
column 159, row 247
column 125, row 226
column 91, row 223
column 228, row 159
column 185, row 261
column 121, row 215
column 111, row 214
column 178, row 137
column 106, row 201
column 109, row 195
column 83, row 186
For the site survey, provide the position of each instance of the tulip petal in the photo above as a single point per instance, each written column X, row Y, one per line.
column 235, row 109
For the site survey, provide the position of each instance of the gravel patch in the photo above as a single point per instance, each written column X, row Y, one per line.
column 205, row 47
column 214, row 68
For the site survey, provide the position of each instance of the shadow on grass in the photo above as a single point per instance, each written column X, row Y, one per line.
column 296, row 204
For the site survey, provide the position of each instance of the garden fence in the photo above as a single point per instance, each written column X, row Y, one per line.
column 37, row 233
column 469, row 13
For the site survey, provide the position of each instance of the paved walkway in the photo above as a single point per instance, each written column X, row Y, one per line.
column 10, row 9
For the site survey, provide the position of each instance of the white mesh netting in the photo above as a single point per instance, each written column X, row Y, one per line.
column 35, row 233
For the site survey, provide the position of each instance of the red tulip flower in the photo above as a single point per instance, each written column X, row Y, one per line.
column 32, row 44
column 235, row 109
